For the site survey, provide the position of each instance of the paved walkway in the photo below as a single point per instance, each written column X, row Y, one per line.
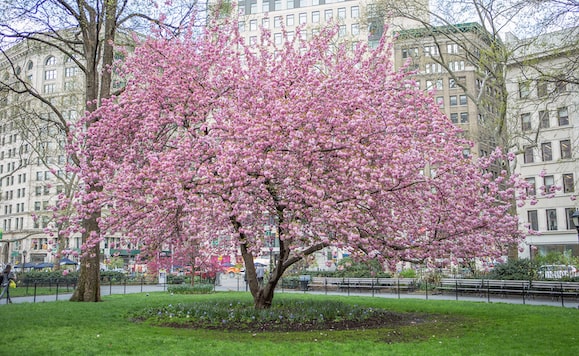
column 237, row 284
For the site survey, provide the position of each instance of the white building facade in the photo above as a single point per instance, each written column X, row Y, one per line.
column 544, row 104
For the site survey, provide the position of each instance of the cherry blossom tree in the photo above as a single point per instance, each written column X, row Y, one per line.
column 212, row 137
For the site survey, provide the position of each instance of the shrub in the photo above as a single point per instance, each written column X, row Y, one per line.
column 514, row 269
column 242, row 314
column 408, row 273
column 201, row 288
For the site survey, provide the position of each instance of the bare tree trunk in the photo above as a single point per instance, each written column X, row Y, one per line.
column 88, row 286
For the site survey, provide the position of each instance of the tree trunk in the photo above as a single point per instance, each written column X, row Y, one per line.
column 88, row 287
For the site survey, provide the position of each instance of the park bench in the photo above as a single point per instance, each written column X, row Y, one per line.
column 506, row 287
column 393, row 285
column 458, row 285
column 554, row 289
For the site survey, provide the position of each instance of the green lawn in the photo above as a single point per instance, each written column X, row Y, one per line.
column 464, row 328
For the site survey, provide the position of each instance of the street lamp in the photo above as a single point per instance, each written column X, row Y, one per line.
column 575, row 218
column 23, row 259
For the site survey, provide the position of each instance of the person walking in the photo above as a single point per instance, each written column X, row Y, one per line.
column 6, row 277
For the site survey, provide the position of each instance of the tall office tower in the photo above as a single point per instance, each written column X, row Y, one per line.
column 32, row 155
column 544, row 104
column 358, row 20
column 444, row 64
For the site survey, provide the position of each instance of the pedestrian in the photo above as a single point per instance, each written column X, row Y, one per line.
column 260, row 272
column 6, row 277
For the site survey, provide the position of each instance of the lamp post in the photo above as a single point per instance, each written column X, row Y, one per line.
column 23, row 259
column 575, row 218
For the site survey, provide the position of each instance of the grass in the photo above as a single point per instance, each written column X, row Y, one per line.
column 461, row 328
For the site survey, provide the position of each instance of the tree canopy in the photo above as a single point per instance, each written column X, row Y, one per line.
column 211, row 137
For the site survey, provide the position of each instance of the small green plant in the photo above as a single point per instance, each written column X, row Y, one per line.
column 199, row 288
column 408, row 273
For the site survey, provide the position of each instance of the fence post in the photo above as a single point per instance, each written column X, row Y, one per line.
column 562, row 294
column 372, row 285
column 398, row 287
column 125, row 286
column 142, row 281
column 523, row 283
column 35, row 291
column 426, row 288
column 488, row 290
column 456, row 288
column 348, row 287
column 110, row 286
column 57, row 289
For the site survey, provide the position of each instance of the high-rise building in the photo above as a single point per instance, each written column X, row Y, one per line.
column 544, row 104
column 444, row 65
column 358, row 20
column 32, row 140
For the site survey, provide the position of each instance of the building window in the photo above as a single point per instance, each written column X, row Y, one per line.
column 70, row 72
column 328, row 15
column 456, row 66
column 277, row 22
column 50, row 61
column 569, row 212
column 529, row 156
column 277, row 38
column 50, row 74
column 315, row 16
column 341, row 13
column 38, row 191
column 265, row 6
column 551, row 219
column 433, row 68
column 533, row 221
column 355, row 12
column 453, row 100
column 37, row 206
column 549, row 182
column 440, row 101
column 568, row 183
column 565, row 149
column 561, row 86
column 526, row 122
column 355, row 29
column 452, row 83
column 524, row 90
column 342, row 31
column 253, row 40
column 531, row 189
column 563, row 116
column 452, row 48
column 454, row 118
column 289, row 20
column 253, row 25
column 430, row 50
column 462, row 99
column 277, row 5
column 290, row 4
column 303, row 18
column 546, row 151
column 544, row 119
column 409, row 52
column 542, row 89
column 463, row 117
column 49, row 88
column 265, row 22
